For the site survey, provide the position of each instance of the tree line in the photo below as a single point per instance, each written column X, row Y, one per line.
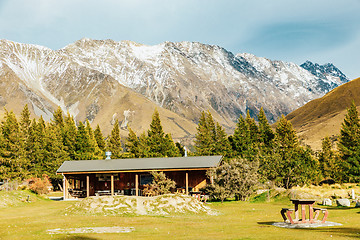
column 31, row 148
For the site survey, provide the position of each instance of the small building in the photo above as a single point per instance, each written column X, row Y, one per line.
column 129, row 176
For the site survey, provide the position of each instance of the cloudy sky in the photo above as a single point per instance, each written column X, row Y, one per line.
column 320, row 31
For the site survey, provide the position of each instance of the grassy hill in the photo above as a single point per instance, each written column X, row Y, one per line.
column 323, row 116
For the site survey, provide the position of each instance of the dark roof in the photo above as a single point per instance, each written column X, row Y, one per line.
column 139, row 164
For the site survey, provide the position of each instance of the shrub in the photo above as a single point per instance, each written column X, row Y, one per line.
column 40, row 186
column 161, row 184
column 236, row 178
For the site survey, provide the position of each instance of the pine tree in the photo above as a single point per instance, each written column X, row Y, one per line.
column 54, row 153
column 99, row 138
column 82, row 144
column 160, row 145
column 58, row 118
column 290, row 164
column 35, row 146
column 132, row 144
column 94, row 150
column 328, row 160
column 203, row 138
column 114, row 142
column 12, row 152
column 222, row 144
column 245, row 140
column 69, row 133
column 143, row 146
column 266, row 134
column 349, row 144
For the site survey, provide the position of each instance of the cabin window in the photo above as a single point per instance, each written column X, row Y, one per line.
column 146, row 179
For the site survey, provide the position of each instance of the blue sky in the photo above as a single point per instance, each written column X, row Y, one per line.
column 320, row 31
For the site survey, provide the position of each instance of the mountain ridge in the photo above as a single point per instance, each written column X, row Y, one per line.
column 183, row 77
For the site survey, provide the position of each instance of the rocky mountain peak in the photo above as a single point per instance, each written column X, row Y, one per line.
column 183, row 77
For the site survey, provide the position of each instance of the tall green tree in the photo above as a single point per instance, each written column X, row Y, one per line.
column 132, row 144
column 245, row 140
column 69, row 134
column 96, row 152
column 349, row 144
column 159, row 143
column 211, row 138
column 203, row 140
column 58, row 118
column 266, row 134
column 329, row 161
column 54, row 153
column 290, row 164
column 83, row 150
column 14, row 164
column 114, row 142
column 100, row 138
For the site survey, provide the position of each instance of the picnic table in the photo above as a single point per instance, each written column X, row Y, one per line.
column 303, row 203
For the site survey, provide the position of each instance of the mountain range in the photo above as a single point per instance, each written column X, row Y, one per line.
column 105, row 80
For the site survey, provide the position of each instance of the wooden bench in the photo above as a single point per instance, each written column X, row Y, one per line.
column 288, row 213
column 317, row 213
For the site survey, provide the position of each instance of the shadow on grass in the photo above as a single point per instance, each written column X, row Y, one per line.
column 338, row 231
column 266, row 223
column 76, row 237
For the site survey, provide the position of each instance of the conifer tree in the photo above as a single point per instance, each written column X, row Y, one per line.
column 290, row 164
column 114, row 142
column 36, row 153
column 328, row 160
column 82, row 144
column 349, row 144
column 266, row 134
column 12, row 151
column 94, row 149
column 58, row 118
column 132, row 144
column 160, row 145
column 245, row 140
column 69, row 136
column 143, row 147
column 203, row 139
column 54, row 152
column 222, row 144
column 100, row 139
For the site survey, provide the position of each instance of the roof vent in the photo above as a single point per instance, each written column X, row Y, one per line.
column 107, row 154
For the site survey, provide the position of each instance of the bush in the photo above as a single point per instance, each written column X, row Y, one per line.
column 40, row 186
column 236, row 178
column 161, row 184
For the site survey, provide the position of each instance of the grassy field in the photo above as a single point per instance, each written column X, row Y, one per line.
column 236, row 220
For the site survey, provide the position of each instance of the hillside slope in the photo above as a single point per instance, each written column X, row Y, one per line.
column 323, row 116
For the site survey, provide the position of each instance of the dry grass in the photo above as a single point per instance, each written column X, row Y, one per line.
column 237, row 220
column 323, row 117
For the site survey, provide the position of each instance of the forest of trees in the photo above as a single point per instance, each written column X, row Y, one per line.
column 31, row 148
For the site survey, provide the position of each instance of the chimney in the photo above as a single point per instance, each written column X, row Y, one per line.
column 107, row 154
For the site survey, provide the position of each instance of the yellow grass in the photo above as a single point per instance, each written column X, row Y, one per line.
column 237, row 220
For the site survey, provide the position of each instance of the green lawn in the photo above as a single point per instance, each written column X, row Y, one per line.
column 237, row 220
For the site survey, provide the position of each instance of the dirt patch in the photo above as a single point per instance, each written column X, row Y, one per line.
column 122, row 205
column 91, row 230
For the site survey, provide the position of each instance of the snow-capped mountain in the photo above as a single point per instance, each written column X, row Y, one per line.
column 184, row 77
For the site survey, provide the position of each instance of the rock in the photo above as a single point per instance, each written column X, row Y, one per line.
column 327, row 202
column 357, row 205
column 343, row 202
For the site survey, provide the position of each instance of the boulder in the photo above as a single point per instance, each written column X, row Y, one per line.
column 327, row 202
column 343, row 202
